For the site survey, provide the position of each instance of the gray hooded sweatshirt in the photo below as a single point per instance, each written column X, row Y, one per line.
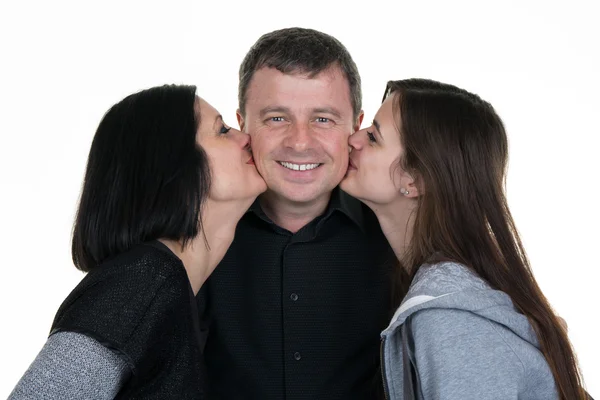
column 469, row 341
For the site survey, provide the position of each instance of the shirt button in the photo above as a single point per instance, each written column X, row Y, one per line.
column 294, row 296
column 297, row 356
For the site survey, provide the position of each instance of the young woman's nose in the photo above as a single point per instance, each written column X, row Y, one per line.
column 356, row 140
column 242, row 138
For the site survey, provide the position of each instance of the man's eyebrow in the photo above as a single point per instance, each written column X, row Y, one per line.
column 378, row 127
column 328, row 110
column 271, row 109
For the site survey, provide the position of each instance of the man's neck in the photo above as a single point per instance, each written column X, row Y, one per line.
column 290, row 215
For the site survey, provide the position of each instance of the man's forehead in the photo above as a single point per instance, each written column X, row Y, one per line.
column 271, row 79
column 274, row 89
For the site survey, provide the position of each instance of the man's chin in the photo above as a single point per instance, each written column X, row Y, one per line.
column 298, row 196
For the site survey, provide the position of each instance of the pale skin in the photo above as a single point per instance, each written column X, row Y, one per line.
column 230, row 195
column 375, row 178
column 300, row 127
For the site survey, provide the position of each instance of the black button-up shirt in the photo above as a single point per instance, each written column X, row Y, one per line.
column 298, row 315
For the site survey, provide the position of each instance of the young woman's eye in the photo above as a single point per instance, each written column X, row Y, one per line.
column 371, row 137
column 224, row 129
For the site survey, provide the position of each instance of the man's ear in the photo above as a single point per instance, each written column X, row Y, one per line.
column 240, row 119
column 358, row 121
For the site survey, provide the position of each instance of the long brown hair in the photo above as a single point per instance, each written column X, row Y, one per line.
column 456, row 147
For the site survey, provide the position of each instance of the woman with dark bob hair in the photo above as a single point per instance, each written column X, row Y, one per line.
column 474, row 323
column 165, row 185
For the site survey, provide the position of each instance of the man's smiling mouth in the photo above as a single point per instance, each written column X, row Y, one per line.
column 298, row 167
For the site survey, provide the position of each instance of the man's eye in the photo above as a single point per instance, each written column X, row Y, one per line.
column 276, row 119
column 322, row 119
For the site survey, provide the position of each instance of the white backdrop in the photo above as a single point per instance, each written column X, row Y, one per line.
column 64, row 63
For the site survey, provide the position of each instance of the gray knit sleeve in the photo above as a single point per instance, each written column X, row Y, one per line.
column 72, row 366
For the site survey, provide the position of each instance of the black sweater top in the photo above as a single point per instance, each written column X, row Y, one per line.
column 141, row 305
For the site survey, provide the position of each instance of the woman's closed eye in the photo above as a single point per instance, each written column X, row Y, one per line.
column 224, row 129
column 371, row 137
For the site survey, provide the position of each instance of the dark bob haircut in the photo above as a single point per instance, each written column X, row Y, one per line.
column 146, row 178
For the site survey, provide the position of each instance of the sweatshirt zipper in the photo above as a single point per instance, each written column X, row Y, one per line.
column 383, row 374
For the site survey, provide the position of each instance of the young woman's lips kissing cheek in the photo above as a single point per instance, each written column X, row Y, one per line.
column 351, row 165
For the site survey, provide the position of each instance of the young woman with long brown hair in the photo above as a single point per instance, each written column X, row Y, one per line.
column 474, row 322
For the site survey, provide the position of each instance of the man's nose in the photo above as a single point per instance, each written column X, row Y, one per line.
column 299, row 137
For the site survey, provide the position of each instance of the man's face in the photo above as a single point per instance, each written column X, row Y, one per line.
column 299, row 128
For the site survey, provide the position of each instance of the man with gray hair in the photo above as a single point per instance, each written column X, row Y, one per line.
column 295, row 309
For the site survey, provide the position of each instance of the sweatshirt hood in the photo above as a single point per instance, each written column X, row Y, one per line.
column 453, row 286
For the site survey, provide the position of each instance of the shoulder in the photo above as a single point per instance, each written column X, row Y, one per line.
column 138, row 288
column 445, row 277
column 138, row 272
column 142, row 267
column 143, row 259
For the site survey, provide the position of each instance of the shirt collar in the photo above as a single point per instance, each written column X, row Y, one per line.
column 340, row 201
column 348, row 205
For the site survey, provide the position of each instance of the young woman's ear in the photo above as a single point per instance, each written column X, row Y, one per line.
column 408, row 186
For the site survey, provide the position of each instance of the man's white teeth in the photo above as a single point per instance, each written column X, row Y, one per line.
column 299, row 167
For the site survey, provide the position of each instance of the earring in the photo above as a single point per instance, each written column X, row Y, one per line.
column 404, row 191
